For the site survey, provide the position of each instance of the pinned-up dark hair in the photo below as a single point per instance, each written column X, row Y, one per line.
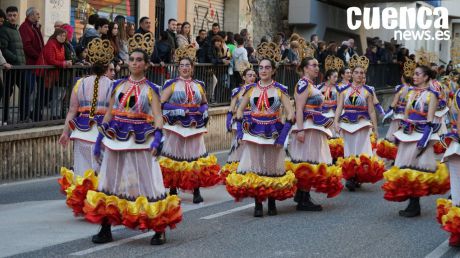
column 427, row 71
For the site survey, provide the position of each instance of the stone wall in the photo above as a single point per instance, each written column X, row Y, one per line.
column 268, row 18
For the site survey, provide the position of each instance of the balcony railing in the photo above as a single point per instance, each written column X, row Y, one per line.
column 32, row 96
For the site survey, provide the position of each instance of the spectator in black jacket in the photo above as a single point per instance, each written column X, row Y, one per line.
column 144, row 25
column 172, row 26
column 216, row 53
column 162, row 52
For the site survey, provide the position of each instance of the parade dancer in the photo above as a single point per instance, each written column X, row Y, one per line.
column 358, row 118
column 249, row 77
column 448, row 214
column 185, row 162
column 131, row 190
column 344, row 76
column 415, row 172
column 261, row 173
column 309, row 151
column 387, row 148
column 89, row 101
column 330, row 92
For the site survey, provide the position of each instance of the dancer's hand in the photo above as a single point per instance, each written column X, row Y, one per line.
column 300, row 136
column 64, row 139
column 154, row 152
column 337, row 127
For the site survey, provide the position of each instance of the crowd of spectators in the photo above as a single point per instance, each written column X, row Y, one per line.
column 23, row 44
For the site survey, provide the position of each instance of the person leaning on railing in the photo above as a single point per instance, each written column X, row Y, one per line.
column 52, row 54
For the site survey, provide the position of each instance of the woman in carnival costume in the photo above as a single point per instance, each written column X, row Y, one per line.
column 88, row 103
column 249, row 77
column 330, row 91
column 261, row 173
column 387, row 148
column 311, row 158
column 415, row 172
column 344, row 76
column 357, row 103
column 448, row 214
column 130, row 190
column 185, row 162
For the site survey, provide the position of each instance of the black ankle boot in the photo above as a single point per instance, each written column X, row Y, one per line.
column 350, row 185
column 413, row 209
column 297, row 195
column 104, row 235
column 197, row 196
column 258, row 209
column 306, row 203
column 172, row 191
column 272, row 207
column 158, row 239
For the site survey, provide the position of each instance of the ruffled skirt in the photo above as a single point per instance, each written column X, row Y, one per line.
column 131, row 192
column 402, row 184
column 363, row 169
column 386, row 149
column 185, row 163
column 261, row 174
column 75, row 188
column 357, row 143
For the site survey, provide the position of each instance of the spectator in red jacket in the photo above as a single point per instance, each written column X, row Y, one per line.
column 52, row 54
column 32, row 39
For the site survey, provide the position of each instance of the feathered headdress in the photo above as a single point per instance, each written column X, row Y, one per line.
column 143, row 41
column 100, row 51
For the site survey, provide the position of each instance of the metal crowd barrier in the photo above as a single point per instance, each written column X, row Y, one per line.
column 32, row 96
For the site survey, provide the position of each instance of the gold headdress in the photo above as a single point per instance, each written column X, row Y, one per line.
column 100, row 51
column 359, row 61
column 269, row 50
column 409, row 67
column 425, row 58
column 143, row 41
column 185, row 51
column 333, row 62
column 306, row 49
column 241, row 66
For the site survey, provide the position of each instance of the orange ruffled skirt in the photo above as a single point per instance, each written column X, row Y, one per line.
column 227, row 169
column 203, row 172
column 448, row 216
column 75, row 188
column 321, row 178
column 139, row 214
column 336, row 147
column 386, row 149
column 261, row 187
column 362, row 169
column 402, row 184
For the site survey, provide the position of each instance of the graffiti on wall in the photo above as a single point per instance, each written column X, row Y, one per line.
column 204, row 17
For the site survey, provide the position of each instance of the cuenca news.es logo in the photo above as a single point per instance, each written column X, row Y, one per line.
column 422, row 23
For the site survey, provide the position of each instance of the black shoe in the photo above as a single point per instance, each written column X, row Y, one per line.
column 258, row 210
column 350, row 185
column 104, row 235
column 306, row 203
column 197, row 196
column 158, row 239
column 172, row 191
column 412, row 210
column 297, row 196
column 272, row 207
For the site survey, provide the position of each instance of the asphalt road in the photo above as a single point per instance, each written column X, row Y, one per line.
column 34, row 222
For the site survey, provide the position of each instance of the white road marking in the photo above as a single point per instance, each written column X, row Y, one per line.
column 440, row 250
column 112, row 244
column 223, row 213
